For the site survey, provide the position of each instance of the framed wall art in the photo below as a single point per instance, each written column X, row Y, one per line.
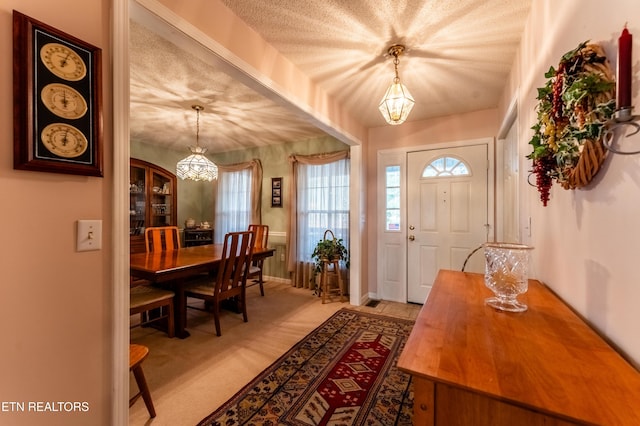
column 276, row 192
column 57, row 100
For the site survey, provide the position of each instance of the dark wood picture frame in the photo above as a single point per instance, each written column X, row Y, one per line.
column 276, row 192
column 57, row 100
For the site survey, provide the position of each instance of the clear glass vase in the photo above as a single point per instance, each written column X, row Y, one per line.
column 505, row 274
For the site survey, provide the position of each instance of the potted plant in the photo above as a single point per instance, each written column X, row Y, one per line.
column 327, row 250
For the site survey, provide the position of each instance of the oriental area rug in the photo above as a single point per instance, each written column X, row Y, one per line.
column 342, row 373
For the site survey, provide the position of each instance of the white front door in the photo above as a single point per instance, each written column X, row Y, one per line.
column 447, row 213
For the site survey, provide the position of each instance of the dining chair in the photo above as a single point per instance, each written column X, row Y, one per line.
column 152, row 304
column 137, row 354
column 158, row 238
column 231, row 278
column 257, row 266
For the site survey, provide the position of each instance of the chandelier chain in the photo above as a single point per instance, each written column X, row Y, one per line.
column 198, row 108
column 395, row 64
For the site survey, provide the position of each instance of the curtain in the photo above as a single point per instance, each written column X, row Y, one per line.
column 319, row 194
column 238, row 199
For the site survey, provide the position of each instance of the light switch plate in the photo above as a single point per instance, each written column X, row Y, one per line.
column 89, row 235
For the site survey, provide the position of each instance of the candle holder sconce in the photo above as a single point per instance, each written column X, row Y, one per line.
column 622, row 120
column 623, row 117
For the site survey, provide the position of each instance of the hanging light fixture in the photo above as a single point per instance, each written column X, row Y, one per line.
column 197, row 166
column 397, row 102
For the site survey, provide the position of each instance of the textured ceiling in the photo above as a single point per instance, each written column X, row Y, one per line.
column 166, row 81
column 458, row 57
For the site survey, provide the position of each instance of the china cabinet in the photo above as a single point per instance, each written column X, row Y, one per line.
column 152, row 200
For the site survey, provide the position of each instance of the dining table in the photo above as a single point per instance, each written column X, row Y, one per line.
column 174, row 268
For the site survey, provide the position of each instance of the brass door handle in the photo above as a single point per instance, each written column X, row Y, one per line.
column 411, row 237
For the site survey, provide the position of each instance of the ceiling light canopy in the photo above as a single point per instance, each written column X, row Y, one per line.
column 197, row 166
column 397, row 101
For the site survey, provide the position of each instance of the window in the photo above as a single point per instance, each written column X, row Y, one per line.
column 446, row 167
column 323, row 203
column 233, row 203
column 392, row 200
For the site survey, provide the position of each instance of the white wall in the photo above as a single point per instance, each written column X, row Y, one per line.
column 586, row 241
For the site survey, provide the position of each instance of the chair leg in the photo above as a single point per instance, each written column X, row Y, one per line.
column 243, row 302
column 261, row 283
column 144, row 389
column 216, row 317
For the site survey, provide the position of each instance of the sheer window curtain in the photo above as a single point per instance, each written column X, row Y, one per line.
column 319, row 194
column 238, row 199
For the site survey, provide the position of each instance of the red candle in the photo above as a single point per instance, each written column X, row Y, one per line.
column 623, row 88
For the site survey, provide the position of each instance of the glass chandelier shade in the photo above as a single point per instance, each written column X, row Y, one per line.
column 397, row 102
column 196, row 166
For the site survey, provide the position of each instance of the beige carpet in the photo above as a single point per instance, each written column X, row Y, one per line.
column 190, row 378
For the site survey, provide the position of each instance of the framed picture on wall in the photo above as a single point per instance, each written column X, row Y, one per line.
column 276, row 192
column 57, row 100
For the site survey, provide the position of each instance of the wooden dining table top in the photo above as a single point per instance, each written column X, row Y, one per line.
column 174, row 264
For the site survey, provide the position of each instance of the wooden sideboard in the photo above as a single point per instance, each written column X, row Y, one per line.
column 474, row 365
column 197, row 236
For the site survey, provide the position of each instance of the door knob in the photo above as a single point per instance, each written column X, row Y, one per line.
column 411, row 227
column 412, row 237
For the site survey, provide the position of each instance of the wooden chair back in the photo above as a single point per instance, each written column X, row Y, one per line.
column 257, row 267
column 161, row 238
column 231, row 278
column 234, row 265
column 262, row 235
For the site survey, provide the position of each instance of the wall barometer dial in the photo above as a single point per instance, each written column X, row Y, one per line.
column 63, row 62
column 64, row 140
column 63, row 101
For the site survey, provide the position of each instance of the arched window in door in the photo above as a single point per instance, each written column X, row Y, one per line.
column 446, row 166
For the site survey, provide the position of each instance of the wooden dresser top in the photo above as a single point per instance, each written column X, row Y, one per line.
column 546, row 359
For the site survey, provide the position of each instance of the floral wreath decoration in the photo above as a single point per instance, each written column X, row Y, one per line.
column 572, row 111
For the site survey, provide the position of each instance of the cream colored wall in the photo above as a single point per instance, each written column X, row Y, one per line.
column 55, row 303
column 586, row 241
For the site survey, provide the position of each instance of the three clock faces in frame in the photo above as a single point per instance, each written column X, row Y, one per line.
column 63, row 139
column 57, row 90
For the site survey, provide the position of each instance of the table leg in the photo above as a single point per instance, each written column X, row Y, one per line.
column 180, row 307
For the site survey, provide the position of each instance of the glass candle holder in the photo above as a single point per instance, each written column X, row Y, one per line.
column 506, row 270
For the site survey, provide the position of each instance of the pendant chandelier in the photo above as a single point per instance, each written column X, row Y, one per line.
column 397, row 102
column 197, row 166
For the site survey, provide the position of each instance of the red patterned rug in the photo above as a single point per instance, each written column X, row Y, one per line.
column 342, row 373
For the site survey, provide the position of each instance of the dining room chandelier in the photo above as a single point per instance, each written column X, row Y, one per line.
column 397, row 102
column 196, row 166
